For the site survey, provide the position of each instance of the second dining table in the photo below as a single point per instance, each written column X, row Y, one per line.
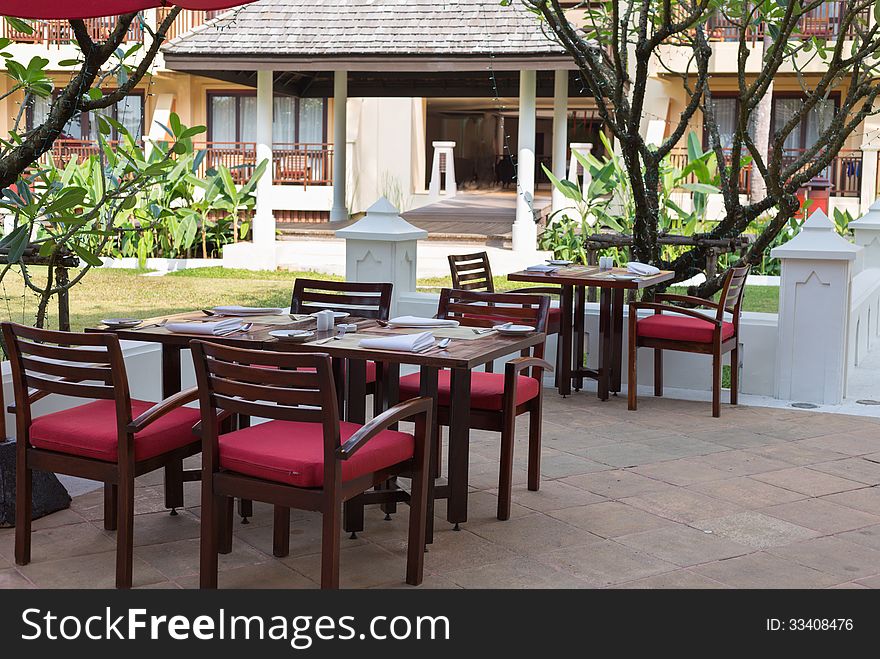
column 573, row 281
column 467, row 350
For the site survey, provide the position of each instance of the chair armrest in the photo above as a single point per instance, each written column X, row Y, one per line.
column 520, row 364
column 688, row 299
column 384, row 421
column 635, row 306
column 162, row 408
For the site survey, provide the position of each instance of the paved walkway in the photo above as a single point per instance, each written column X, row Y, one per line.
column 663, row 497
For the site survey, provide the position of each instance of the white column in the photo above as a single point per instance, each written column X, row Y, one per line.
column 339, row 211
column 560, row 134
column 868, row 193
column 264, row 221
column 525, row 233
column 499, row 136
column 815, row 294
column 866, row 230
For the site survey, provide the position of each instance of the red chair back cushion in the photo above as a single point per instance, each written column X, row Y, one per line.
column 292, row 452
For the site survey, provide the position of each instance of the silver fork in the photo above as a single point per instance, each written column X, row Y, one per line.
column 336, row 337
column 161, row 323
column 244, row 328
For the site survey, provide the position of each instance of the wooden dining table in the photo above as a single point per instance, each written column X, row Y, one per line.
column 573, row 281
column 467, row 351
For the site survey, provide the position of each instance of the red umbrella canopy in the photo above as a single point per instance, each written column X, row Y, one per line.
column 67, row 9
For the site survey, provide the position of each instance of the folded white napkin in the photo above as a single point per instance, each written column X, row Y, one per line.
column 416, row 321
column 235, row 310
column 642, row 269
column 541, row 267
column 402, row 342
column 209, row 329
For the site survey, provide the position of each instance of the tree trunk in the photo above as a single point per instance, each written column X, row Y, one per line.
column 763, row 128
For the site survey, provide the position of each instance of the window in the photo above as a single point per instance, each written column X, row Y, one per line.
column 806, row 134
column 129, row 112
column 726, row 116
column 233, row 118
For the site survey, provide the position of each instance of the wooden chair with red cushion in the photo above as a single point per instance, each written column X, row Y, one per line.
column 361, row 299
column 304, row 457
column 498, row 398
column 673, row 327
column 113, row 439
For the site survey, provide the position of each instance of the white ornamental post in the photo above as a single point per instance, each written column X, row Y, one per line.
column 382, row 247
column 867, row 234
column 814, row 310
column 444, row 161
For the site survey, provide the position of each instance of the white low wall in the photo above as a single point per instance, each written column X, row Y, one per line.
column 864, row 328
column 680, row 370
column 159, row 265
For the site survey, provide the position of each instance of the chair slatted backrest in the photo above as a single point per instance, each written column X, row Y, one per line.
column 733, row 291
column 519, row 308
column 235, row 380
column 363, row 299
column 471, row 272
column 79, row 365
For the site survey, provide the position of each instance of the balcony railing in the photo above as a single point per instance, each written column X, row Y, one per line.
column 293, row 163
column 59, row 33
column 186, row 20
column 843, row 174
column 823, row 22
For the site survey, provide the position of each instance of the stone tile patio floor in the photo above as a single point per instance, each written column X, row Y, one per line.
column 666, row 497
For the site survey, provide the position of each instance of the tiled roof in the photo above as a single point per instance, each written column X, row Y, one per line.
column 306, row 28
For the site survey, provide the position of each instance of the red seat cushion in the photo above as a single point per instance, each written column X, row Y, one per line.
column 371, row 370
column 90, row 431
column 674, row 327
column 292, row 452
column 487, row 389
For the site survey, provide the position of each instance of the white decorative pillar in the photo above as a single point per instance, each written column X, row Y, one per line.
column 500, row 151
column 868, row 193
column 382, row 246
column 444, row 161
column 339, row 211
column 560, row 135
column 264, row 220
column 867, row 235
column 584, row 180
column 814, row 310
column 525, row 232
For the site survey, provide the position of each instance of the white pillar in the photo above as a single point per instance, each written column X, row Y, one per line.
column 525, row 232
column 584, row 180
column 560, row 134
column 815, row 294
column 869, row 177
column 264, row 221
column 444, row 161
column 499, row 137
column 867, row 234
column 382, row 246
column 339, row 211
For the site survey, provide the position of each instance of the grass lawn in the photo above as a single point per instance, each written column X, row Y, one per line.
column 107, row 293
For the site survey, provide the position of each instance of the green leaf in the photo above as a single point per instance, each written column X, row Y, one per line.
column 700, row 187
column 19, row 24
column 95, row 93
column 567, row 188
column 694, row 147
column 192, row 130
column 68, row 199
column 69, row 62
column 175, row 124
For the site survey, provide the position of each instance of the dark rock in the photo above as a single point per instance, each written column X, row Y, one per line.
column 49, row 494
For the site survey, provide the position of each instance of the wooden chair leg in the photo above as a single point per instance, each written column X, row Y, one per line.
column 330, row 545
column 110, row 509
column 716, row 383
column 535, row 446
column 353, row 516
column 125, row 532
column 437, row 447
column 245, row 510
column 632, row 378
column 281, row 532
column 174, row 485
column 658, row 372
column 734, row 376
column 23, row 512
column 418, row 517
column 224, row 527
column 505, row 475
column 212, row 511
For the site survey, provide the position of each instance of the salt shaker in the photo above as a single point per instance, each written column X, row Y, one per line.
column 325, row 320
